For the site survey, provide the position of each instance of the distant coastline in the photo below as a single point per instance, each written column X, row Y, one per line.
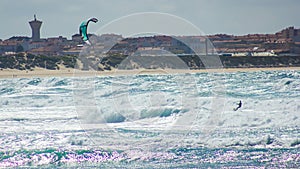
column 109, row 52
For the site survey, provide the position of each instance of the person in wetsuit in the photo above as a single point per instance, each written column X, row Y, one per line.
column 239, row 106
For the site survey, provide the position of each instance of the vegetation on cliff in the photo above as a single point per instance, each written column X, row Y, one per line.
column 27, row 61
column 196, row 62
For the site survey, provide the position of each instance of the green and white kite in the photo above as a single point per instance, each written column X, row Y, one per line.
column 83, row 30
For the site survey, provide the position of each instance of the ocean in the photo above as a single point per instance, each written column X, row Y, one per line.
column 152, row 121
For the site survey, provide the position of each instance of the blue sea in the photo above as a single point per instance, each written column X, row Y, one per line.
column 152, row 121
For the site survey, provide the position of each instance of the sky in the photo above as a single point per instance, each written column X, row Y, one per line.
column 63, row 17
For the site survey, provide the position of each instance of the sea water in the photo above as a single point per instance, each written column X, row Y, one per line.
column 152, row 121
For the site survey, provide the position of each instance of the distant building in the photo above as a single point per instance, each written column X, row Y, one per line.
column 77, row 38
column 8, row 46
column 283, row 42
column 290, row 33
column 19, row 38
column 35, row 27
column 57, row 40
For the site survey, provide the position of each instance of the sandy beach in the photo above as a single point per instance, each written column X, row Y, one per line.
column 69, row 72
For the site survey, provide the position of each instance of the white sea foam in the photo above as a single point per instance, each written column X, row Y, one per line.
column 131, row 111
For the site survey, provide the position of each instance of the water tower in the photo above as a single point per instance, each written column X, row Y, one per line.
column 35, row 27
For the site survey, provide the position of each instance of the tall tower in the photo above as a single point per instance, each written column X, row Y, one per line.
column 35, row 27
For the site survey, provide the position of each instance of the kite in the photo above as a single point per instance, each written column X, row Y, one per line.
column 83, row 30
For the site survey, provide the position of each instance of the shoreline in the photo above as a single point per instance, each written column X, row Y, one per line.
column 39, row 72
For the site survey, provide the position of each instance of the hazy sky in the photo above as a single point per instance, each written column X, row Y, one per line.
column 62, row 17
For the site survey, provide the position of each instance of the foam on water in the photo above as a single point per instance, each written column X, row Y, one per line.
column 154, row 121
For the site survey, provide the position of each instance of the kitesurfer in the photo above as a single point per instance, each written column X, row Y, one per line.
column 239, row 106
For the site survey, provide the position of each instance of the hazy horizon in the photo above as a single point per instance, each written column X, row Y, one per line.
column 234, row 17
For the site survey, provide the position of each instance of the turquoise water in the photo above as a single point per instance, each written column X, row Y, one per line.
column 152, row 121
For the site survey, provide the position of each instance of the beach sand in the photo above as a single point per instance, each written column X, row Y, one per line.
column 69, row 72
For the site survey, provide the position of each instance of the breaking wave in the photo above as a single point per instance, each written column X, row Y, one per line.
column 145, row 120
